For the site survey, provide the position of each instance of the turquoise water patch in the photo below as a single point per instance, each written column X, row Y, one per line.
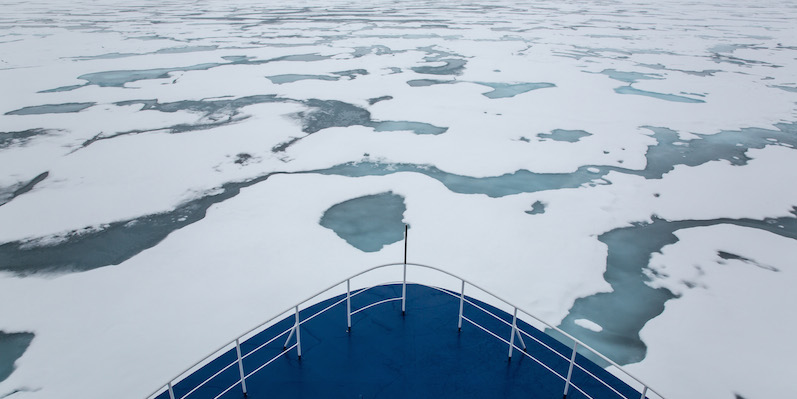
column 521, row 181
column 728, row 145
column 368, row 223
column 168, row 50
column 428, row 82
column 290, row 78
column 570, row 136
column 630, row 77
column 660, row 96
column 504, row 90
column 12, row 347
column 415, row 127
column 302, row 57
column 730, row 48
column 120, row 78
column 185, row 49
column 453, row 66
column 51, row 109
column 351, row 73
column 703, row 73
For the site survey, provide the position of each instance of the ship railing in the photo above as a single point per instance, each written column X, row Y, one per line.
column 457, row 288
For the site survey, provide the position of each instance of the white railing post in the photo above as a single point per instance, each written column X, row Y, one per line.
column 404, row 281
column 298, row 335
column 520, row 337
column 512, row 338
column 348, row 305
column 289, row 337
column 570, row 370
column 240, row 365
column 171, row 391
column 461, row 303
column 404, row 292
column 644, row 392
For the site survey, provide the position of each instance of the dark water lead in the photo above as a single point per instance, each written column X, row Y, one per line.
column 111, row 244
column 325, row 114
column 12, row 347
column 729, row 59
column 120, row 241
column 9, row 193
column 321, row 114
column 376, row 50
column 12, row 139
column 51, row 109
column 623, row 312
column 786, row 88
column 537, row 208
column 570, row 136
column 215, row 113
column 332, row 113
column 114, row 243
column 368, row 223
column 351, row 73
column 731, row 256
column 207, row 107
column 63, row 88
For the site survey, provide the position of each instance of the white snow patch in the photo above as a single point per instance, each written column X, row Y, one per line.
column 589, row 325
column 732, row 317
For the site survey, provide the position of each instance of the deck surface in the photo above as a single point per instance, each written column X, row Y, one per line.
column 387, row 355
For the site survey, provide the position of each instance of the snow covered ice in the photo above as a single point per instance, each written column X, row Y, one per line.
column 174, row 173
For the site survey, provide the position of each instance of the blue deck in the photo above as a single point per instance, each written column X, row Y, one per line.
column 387, row 355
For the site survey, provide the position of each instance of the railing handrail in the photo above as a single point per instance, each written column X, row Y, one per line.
column 576, row 341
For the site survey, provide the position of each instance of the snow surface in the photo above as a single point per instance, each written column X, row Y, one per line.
column 181, row 108
column 733, row 316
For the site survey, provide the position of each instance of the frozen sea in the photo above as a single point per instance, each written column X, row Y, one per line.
column 174, row 172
